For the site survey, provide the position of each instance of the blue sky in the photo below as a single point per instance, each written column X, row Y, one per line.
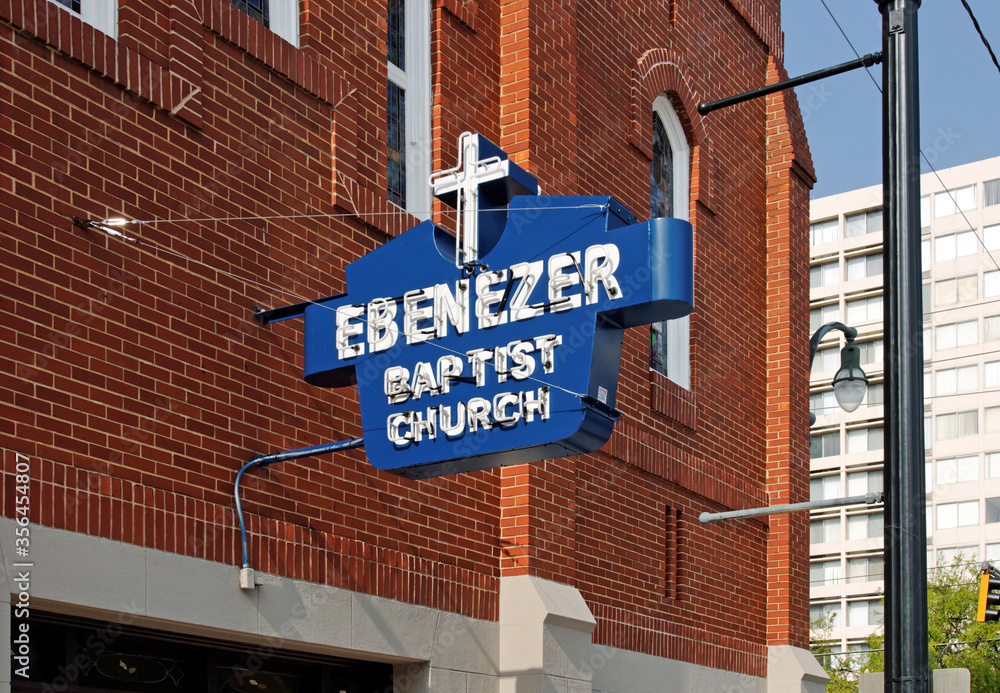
column 959, row 87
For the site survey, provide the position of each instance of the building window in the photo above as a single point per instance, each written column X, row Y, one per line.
column 870, row 352
column 991, row 328
column 949, row 381
column 396, row 133
column 827, row 359
column 925, row 213
column 956, row 290
column 257, row 9
column 954, row 201
column 864, row 310
column 146, row 660
column 100, row 14
column 991, row 283
column 821, row 315
column 864, row 266
column 824, row 445
column 863, row 223
column 280, row 16
column 957, row 425
column 951, row 515
column 824, row 275
column 955, row 245
column 829, row 613
column 823, row 402
column 824, row 487
column 864, row 526
column 925, row 255
column 991, row 192
column 823, row 231
column 875, row 397
column 958, row 334
column 992, row 510
column 865, row 569
column 991, row 237
column 992, row 465
column 861, row 483
column 992, row 552
column 864, row 440
column 824, row 530
column 946, row 557
column 991, row 419
column 408, row 107
column 824, row 572
column 864, row 613
column 669, row 181
column 955, row 470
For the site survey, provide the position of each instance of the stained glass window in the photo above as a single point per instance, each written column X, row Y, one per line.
column 660, row 205
column 257, row 9
column 397, row 34
column 396, row 128
column 71, row 4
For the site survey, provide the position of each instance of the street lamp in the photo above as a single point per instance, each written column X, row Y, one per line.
column 850, row 382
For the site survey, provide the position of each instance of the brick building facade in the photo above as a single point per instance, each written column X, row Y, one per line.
column 136, row 382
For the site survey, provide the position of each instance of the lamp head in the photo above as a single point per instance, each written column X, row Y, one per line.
column 850, row 382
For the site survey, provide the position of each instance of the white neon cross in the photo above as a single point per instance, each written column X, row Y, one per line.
column 465, row 180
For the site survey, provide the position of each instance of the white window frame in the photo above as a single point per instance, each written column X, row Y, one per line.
column 678, row 336
column 416, row 82
column 100, row 14
column 819, row 231
column 954, row 200
column 283, row 19
column 827, row 274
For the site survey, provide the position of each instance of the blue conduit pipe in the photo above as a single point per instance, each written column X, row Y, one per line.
column 267, row 460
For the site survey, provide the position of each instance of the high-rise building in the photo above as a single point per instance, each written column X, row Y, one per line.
column 960, row 220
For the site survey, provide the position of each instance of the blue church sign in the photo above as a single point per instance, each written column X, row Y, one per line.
column 501, row 346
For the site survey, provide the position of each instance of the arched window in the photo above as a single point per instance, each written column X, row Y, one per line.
column 669, row 185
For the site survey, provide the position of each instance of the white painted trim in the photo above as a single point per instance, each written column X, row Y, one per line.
column 678, row 334
column 77, row 574
column 541, row 642
column 100, row 14
column 418, row 108
column 283, row 18
column 416, row 82
column 623, row 671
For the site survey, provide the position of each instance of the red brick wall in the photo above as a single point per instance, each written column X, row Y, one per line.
column 137, row 382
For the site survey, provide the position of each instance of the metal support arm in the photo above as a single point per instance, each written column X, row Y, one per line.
column 868, row 498
column 706, row 107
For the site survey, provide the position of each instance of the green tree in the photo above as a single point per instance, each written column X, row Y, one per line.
column 955, row 639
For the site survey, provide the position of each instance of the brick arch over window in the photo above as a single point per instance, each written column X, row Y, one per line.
column 662, row 71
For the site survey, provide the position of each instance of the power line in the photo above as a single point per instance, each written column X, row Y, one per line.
column 111, row 230
column 979, row 30
column 922, row 155
column 844, row 34
column 116, row 222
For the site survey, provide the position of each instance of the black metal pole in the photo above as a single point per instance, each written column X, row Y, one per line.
column 906, row 667
column 706, row 107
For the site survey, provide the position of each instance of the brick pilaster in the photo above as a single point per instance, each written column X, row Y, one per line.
column 789, row 178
